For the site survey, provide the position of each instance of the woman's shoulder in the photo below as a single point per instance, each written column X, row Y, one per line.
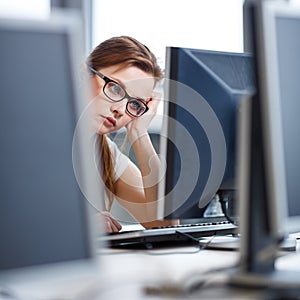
column 113, row 146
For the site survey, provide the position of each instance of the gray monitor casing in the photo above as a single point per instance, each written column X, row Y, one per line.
column 46, row 226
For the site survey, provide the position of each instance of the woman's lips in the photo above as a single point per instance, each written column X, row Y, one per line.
column 110, row 121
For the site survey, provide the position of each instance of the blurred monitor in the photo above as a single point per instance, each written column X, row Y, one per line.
column 45, row 225
column 270, row 168
column 280, row 97
column 202, row 95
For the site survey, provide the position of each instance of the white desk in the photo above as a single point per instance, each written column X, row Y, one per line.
column 129, row 274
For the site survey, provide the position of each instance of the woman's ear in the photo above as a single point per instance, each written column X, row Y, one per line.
column 149, row 99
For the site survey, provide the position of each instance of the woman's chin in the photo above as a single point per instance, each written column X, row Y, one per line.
column 102, row 130
column 99, row 128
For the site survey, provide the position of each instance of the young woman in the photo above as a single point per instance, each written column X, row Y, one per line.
column 124, row 73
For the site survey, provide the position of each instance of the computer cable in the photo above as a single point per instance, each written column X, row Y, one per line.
column 225, row 198
column 192, row 283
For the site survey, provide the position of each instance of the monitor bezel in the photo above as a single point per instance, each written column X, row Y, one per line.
column 67, row 23
column 281, row 222
column 160, row 210
column 263, row 218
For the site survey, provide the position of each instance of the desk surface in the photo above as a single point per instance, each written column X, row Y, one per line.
column 156, row 274
column 164, row 274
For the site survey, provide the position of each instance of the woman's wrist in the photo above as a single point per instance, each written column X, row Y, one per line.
column 137, row 134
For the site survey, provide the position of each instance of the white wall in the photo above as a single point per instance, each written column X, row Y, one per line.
column 203, row 24
column 25, row 9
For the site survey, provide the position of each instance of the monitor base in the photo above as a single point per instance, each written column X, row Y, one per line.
column 233, row 243
column 284, row 281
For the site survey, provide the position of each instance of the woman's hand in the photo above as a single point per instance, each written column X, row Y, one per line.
column 139, row 126
column 110, row 223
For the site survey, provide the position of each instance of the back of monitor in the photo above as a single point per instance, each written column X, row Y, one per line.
column 45, row 225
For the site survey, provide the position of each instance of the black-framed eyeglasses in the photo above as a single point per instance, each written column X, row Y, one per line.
column 114, row 91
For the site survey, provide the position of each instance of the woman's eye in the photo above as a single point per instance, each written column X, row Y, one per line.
column 116, row 89
column 136, row 107
column 135, row 104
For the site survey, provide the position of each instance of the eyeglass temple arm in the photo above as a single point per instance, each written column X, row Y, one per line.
column 96, row 72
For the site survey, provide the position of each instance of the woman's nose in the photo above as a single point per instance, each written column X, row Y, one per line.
column 119, row 107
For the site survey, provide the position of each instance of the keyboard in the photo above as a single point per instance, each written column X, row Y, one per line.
column 183, row 234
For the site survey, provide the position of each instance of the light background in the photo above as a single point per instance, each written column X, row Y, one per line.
column 203, row 24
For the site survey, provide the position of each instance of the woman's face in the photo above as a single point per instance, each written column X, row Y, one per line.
column 109, row 116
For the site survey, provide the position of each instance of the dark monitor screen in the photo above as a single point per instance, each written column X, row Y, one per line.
column 203, row 89
column 44, row 217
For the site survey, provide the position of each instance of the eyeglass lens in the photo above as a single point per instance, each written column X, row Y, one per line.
column 116, row 92
column 136, row 107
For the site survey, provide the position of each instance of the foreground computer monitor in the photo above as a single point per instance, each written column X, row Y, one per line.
column 269, row 174
column 202, row 91
column 45, row 223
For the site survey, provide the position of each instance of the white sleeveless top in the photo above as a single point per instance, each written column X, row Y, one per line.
column 121, row 161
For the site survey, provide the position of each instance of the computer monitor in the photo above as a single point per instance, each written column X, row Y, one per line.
column 45, row 223
column 269, row 187
column 198, row 140
column 279, row 51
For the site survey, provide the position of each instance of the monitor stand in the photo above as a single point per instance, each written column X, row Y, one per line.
column 259, row 242
column 232, row 243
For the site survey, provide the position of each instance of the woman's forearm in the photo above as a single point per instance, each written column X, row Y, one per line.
column 149, row 164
